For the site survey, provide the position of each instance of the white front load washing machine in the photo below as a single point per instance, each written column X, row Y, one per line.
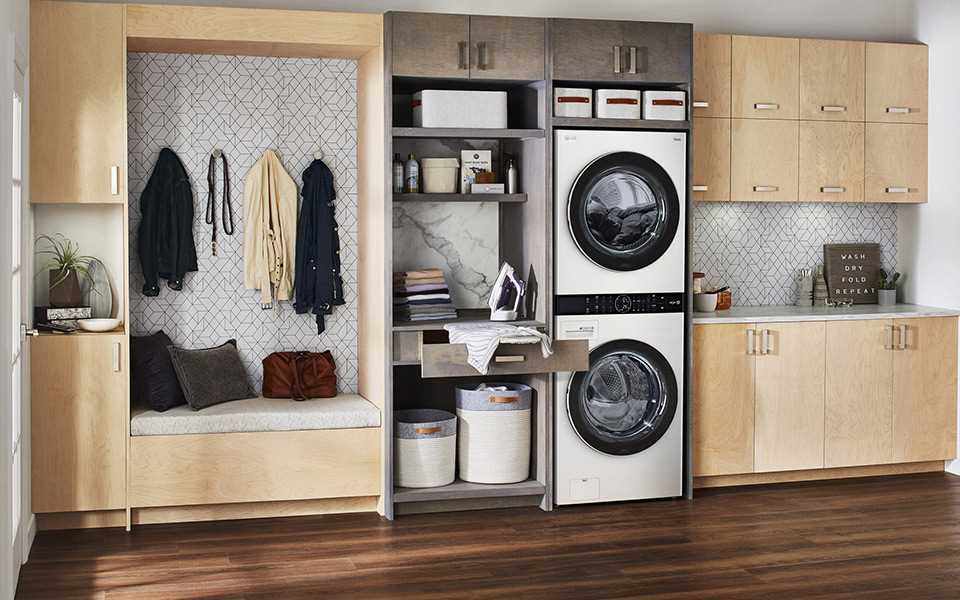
column 620, row 211
column 619, row 425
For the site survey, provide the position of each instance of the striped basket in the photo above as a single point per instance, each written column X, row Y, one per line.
column 494, row 439
column 426, row 447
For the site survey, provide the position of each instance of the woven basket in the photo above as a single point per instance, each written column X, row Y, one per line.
column 426, row 447
column 494, row 439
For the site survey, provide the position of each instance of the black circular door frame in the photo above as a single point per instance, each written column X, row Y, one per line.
column 642, row 439
column 660, row 183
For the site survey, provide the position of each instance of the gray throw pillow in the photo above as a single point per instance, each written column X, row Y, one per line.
column 211, row 376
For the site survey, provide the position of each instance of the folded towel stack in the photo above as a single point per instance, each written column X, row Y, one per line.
column 422, row 296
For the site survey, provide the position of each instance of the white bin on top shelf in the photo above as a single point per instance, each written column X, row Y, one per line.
column 494, row 436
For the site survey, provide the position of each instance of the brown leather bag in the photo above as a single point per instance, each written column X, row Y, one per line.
column 299, row 375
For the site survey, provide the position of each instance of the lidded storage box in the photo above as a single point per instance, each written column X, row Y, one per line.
column 440, row 175
column 618, row 104
column 666, row 106
column 572, row 102
column 426, row 447
column 460, row 108
column 494, row 438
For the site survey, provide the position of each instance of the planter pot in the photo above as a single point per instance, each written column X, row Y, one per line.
column 886, row 297
column 65, row 294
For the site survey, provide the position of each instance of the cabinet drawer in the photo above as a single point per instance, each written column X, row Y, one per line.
column 450, row 360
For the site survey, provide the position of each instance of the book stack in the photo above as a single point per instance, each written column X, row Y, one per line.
column 422, row 296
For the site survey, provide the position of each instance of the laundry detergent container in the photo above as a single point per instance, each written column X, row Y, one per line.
column 426, row 447
column 494, row 437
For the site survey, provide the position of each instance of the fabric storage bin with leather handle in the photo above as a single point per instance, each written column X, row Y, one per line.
column 494, row 438
column 299, row 375
column 425, row 447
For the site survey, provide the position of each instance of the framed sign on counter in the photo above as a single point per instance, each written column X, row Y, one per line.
column 852, row 272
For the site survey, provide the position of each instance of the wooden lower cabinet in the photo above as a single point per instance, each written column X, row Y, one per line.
column 78, row 422
column 790, row 397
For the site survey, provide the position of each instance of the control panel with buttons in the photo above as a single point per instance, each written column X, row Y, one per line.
column 618, row 304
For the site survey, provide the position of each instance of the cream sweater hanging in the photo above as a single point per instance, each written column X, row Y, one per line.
column 270, row 229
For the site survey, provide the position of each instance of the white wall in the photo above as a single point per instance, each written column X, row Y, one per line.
column 930, row 233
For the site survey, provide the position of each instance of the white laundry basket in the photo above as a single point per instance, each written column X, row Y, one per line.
column 494, row 436
column 426, row 447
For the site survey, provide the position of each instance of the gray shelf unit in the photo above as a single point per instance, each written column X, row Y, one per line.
column 640, row 124
column 467, row 133
column 407, row 197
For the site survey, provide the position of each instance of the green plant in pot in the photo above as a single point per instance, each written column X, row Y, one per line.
column 887, row 294
column 65, row 266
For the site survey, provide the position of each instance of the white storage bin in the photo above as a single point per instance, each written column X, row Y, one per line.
column 619, row 104
column 426, row 447
column 440, row 175
column 458, row 108
column 665, row 106
column 573, row 102
column 494, row 437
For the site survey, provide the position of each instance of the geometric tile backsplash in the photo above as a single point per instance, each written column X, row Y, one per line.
column 243, row 105
column 757, row 248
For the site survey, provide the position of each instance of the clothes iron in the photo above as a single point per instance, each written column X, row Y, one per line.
column 506, row 295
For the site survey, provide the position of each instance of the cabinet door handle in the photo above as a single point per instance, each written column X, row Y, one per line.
column 616, row 59
column 751, row 341
column 833, row 108
column 766, row 106
column 701, row 188
column 701, row 104
column 898, row 110
column 482, row 56
column 765, row 342
column 833, row 189
column 510, row 358
column 116, row 357
column 897, row 190
column 462, row 56
column 115, row 180
column 766, row 188
column 632, row 69
column 891, row 332
column 903, row 337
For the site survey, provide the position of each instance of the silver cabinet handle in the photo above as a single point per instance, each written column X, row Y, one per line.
column 765, row 342
column 701, row 104
column 115, row 180
column 482, row 56
column 701, row 188
column 751, row 341
column 766, row 106
column 510, row 358
column 833, row 108
column 633, row 60
column 462, row 56
column 616, row 59
column 903, row 337
column 891, row 332
column 116, row 357
column 833, row 189
column 766, row 188
column 898, row 110
column 897, row 190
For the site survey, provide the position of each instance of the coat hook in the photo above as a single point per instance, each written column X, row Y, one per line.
column 217, row 152
column 318, row 155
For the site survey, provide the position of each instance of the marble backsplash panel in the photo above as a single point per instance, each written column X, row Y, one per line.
column 757, row 248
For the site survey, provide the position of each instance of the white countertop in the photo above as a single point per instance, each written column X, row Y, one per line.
column 780, row 314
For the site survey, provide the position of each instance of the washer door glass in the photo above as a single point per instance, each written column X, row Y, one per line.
column 626, row 401
column 623, row 211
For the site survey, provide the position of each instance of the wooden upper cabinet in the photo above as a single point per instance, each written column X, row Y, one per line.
column 895, row 163
column 925, row 389
column 723, row 400
column 832, row 80
column 831, row 161
column 656, row 52
column 711, row 75
column 587, row 50
column 79, row 422
column 78, row 118
column 859, row 393
column 711, row 159
column 764, row 160
column 896, row 83
column 765, row 77
column 790, row 396
column 507, row 48
column 431, row 45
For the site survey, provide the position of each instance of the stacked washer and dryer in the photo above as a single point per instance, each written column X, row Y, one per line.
column 620, row 251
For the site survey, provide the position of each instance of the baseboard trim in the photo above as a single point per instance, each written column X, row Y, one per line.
column 714, row 481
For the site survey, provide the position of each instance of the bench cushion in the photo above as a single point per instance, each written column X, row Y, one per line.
column 348, row 411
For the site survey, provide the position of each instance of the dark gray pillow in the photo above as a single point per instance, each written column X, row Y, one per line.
column 153, row 380
column 211, row 376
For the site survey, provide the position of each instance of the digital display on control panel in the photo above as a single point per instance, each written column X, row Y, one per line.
column 614, row 304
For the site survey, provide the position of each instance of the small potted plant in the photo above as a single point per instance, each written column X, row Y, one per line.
column 887, row 294
column 65, row 266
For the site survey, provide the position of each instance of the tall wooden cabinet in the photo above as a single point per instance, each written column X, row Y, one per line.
column 78, row 133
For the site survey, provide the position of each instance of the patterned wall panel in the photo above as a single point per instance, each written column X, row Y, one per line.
column 757, row 248
column 244, row 105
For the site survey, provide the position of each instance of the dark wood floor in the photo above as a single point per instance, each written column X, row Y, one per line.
column 895, row 537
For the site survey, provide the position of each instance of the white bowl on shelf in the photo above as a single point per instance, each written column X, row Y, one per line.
column 98, row 325
column 705, row 302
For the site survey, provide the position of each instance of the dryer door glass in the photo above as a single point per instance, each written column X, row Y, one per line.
column 623, row 211
column 626, row 401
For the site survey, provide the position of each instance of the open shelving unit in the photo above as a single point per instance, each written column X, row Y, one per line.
column 646, row 124
column 467, row 133
column 460, row 197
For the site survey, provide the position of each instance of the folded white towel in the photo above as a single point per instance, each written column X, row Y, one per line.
column 483, row 338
